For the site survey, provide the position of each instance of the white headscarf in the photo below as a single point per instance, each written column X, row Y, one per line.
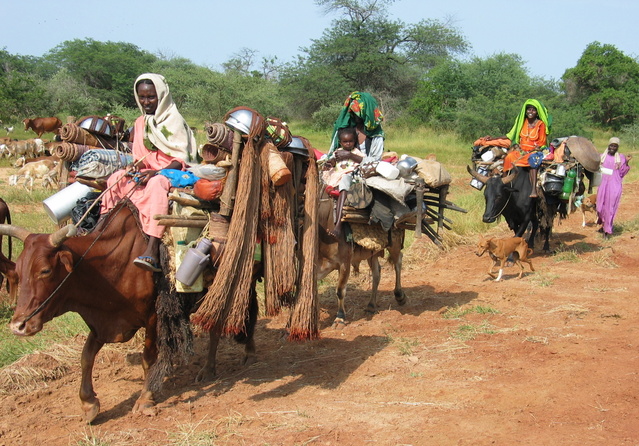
column 166, row 129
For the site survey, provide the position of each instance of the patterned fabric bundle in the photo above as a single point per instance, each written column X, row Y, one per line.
column 99, row 163
column 277, row 131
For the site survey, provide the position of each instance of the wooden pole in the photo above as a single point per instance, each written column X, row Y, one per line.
column 227, row 199
column 419, row 191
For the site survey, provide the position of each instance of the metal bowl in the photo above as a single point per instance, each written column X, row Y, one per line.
column 406, row 166
column 296, row 147
column 240, row 120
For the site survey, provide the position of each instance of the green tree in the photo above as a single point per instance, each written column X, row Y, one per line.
column 478, row 97
column 22, row 92
column 605, row 85
column 108, row 69
column 366, row 50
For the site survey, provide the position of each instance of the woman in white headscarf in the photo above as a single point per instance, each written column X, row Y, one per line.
column 161, row 140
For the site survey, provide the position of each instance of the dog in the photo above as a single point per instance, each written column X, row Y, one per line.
column 501, row 249
column 588, row 204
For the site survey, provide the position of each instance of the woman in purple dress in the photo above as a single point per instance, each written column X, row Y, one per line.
column 614, row 166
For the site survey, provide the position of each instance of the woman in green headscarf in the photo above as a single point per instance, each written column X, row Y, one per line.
column 361, row 112
column 530, row 132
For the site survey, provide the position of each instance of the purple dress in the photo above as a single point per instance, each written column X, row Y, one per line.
column 609, row 191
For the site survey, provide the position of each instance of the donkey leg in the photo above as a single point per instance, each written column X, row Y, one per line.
column 373, row 263
column 344, row 274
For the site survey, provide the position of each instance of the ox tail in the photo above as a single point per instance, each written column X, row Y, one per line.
column 174, row 334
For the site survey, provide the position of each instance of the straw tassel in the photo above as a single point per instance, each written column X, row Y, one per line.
column 303, row 324
column 225, row 305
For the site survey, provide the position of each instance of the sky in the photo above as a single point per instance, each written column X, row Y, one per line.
column 549, row 35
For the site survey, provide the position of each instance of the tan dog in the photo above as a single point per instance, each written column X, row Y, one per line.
column 501, row 249
column 589, row 204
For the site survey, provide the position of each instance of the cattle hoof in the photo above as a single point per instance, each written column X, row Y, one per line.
column 91, row 410
column 401, row 298
column 370, row 309
column 145, row 405
column 339, row 323
column 249, row 360
column 206, row 374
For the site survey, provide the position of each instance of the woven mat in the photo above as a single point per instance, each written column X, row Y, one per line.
column 371, row 237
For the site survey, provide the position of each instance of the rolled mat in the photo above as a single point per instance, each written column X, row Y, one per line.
column 68, row 151
column 220, row 135
column 76, row 134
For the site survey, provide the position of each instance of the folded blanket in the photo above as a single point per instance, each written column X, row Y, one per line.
column 100, row 163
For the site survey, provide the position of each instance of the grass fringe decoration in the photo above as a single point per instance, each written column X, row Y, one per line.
column 225, row 304
column 304, row 320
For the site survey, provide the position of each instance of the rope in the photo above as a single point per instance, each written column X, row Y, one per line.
column 48, row 299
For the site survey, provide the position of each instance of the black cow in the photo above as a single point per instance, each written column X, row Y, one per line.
column 510, row 196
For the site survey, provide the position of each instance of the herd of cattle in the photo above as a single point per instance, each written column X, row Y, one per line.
column 32, row 156
column 124, row 299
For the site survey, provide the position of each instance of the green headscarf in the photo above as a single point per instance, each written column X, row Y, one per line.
column 542, row 112
column 364, row 106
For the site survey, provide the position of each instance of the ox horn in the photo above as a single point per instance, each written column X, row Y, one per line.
column 14, row 231
column 59, row 236
column 509, row 178
column 478, row 176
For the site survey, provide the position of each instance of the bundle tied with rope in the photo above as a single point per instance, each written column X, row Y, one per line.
column 303, row 323
column 68, row 151
column 75, row 134
column 225, row 305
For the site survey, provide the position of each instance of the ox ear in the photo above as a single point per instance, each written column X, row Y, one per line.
column 66, row 258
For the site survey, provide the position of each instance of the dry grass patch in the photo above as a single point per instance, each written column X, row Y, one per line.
column 35, row 370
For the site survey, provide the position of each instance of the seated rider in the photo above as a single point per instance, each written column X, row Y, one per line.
column 530, row 133
column 338, row 167
column 361, row 112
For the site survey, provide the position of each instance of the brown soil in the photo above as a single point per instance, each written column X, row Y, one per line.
column 557, row 363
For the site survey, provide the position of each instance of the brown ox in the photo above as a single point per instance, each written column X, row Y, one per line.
column 340, row 255
column 94, row 277
column 42, row 125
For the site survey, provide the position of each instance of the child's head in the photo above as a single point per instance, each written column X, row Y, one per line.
column 347, row 138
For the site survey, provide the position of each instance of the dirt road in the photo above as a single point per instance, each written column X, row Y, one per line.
column 551, row 359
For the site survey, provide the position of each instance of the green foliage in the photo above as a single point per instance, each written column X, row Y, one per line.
column 107, row 69
column 367, row 51
column 482, row 96
column 208, row 95
column 22, row 91
column 605, row 82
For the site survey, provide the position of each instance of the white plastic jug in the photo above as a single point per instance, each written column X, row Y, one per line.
column 194, row 262
column 387, row 170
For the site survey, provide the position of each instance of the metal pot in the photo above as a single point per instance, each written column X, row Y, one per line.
column 406, row 166
column 240, row 120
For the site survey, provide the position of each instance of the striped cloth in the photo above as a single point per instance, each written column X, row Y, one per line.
column 100, row 163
